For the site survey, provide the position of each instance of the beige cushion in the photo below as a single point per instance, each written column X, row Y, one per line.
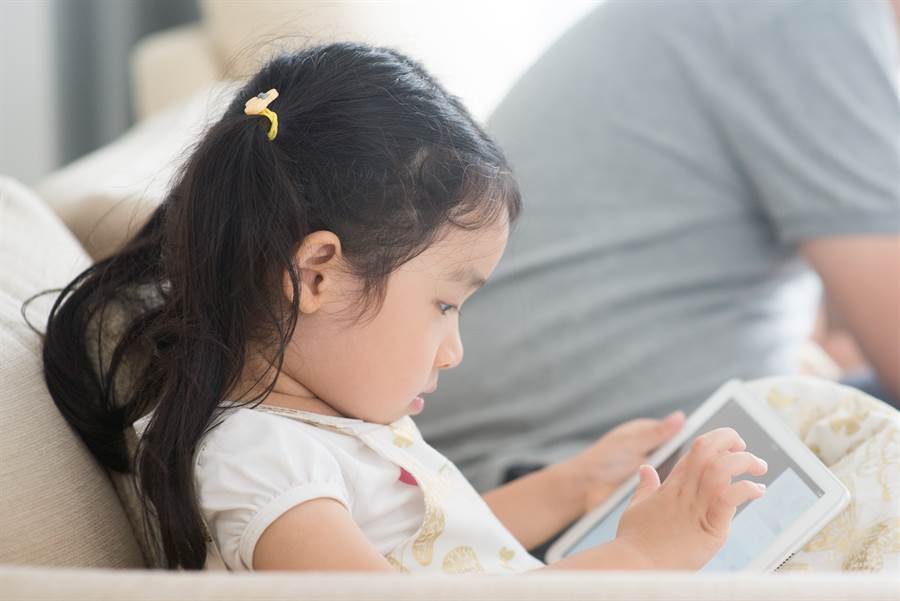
column 167, row 68
column 57, row 505
column 476, row 49
column 22, row 583
column 106, row 195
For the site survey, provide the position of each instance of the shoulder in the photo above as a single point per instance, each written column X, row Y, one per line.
column 257, row 450
column 243, row 429
column 252, row 467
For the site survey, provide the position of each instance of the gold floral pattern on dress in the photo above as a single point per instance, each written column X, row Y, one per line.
column 816, row 450
column 432, row 528
column 778, row 400
column 850, row 425
column 402, row 437
column 300, row 416
column 862, row 549
column 396, row 564
column 454, row 516
column 875, row 542
column 461, row 560
column 798, row 414
column 858, row 437
column 879, row 459
column 838, row 534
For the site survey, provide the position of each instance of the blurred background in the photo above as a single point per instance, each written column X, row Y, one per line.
column 102, row 99
column 93, row 68
column 68, row 62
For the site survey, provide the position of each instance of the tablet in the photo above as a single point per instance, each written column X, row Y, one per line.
column 802, row 495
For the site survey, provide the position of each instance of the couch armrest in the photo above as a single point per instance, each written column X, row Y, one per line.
column 85, row 584
column 169, row 66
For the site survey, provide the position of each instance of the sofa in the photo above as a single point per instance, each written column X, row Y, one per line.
column 71, row 530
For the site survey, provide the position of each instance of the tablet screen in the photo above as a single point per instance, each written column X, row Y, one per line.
column 789, row 493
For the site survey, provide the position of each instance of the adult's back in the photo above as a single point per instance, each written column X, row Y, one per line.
column 672, row 155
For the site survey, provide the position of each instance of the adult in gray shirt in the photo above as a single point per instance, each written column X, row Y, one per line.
column 683, row 164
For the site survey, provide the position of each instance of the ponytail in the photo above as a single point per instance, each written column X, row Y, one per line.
column 158, row 327
column 77, row 339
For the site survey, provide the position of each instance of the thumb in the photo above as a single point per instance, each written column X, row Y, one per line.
column 648, row 484
column 669, row 426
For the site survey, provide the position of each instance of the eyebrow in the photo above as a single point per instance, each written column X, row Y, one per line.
column 468, row 276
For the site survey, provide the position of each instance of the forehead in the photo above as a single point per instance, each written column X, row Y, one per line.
column 462, row 255
column 459, row 252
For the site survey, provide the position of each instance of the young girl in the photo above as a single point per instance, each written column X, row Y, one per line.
column 283, row 312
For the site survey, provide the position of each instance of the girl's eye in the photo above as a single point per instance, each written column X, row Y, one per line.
column 444, row 307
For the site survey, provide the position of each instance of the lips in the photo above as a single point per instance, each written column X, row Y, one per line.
column 417, row 405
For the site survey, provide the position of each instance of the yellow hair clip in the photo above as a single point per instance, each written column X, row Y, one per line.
column 258, row 105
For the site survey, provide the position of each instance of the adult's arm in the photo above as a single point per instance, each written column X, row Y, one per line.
column 813, row 117
column 861, row 275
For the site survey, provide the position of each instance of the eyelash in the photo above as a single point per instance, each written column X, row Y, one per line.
column 444, row 310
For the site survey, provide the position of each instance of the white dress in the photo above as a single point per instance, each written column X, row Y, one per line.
column 411, row 502
column 423, row 515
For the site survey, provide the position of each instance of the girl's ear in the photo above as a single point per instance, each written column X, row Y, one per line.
column 318, row 262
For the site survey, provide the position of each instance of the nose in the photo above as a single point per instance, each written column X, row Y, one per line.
column 450, row 353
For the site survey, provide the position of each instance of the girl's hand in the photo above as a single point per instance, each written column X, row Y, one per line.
column 618, row 454
column 682, row 523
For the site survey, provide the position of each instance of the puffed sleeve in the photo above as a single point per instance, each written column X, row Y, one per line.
column 251, row 469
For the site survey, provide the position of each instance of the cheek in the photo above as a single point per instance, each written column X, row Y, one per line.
column 381, row 362
column 403, row 343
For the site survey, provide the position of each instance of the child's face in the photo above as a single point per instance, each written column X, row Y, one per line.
column 374, row 370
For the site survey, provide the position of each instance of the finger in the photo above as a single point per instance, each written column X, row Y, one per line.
column 648, row 434
column 724, row 439
column 669, row 426
column 722, row 511
column 723, row 468
column 705, row 448
column 739, row 445
column 648, row 484
column 676, row 417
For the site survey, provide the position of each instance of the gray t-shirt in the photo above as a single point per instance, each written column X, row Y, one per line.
column 671, row 155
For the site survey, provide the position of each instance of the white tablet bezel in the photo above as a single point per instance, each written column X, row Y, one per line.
column 835, row 495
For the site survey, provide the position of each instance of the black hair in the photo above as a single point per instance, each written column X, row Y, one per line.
column 369, row 147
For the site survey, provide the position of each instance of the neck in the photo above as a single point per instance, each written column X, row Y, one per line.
column 287, row 392
column 311, row 404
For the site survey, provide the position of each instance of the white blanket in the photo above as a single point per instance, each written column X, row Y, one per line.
column 858, row 438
